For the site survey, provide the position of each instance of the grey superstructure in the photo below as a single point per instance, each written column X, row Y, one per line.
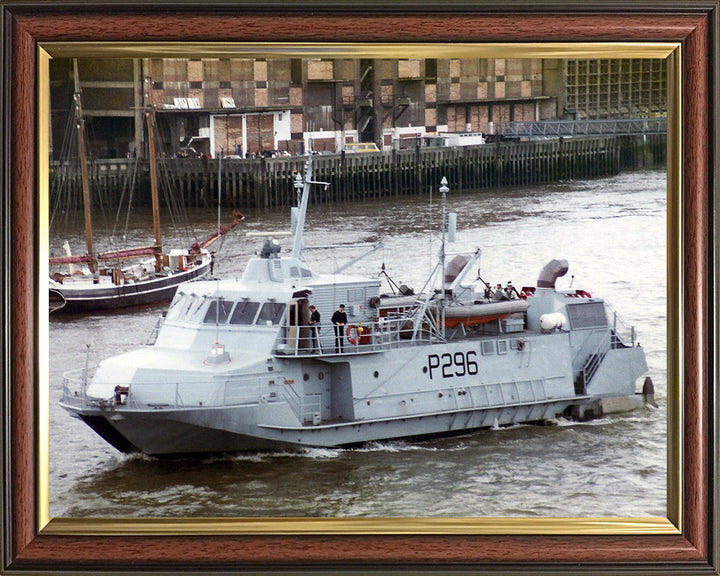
column 235, row 365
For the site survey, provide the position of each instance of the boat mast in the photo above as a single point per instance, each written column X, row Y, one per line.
column 82, row 153
column 219, row 191
column 304, row 184
column 443, row 190
column 154, row 187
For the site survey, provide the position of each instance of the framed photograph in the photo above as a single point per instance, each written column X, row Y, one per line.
column 281, row 514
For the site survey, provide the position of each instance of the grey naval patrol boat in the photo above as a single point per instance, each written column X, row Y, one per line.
column 235, row 365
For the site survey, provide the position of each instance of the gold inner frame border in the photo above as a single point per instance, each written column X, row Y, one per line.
column 380, row 526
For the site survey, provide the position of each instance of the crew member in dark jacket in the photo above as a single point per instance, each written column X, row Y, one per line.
column 314, row 323
column 339, row 319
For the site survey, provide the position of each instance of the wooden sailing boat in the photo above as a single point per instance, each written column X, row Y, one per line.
column 107, row 281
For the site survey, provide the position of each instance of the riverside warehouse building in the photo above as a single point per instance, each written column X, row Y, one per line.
column 250, row 107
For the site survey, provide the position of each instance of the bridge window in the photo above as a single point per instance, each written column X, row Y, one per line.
column 271, row 313
column 218, row 312
column 244, row 312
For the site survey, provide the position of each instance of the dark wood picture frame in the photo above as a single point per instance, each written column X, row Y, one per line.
column 691, row 549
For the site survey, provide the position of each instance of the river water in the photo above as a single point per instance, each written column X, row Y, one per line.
column 613, row 233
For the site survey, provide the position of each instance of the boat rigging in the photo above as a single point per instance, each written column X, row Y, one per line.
column 126, row 277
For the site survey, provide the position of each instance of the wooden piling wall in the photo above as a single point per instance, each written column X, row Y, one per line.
column 267, row 183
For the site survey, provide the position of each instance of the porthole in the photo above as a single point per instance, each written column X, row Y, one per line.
column 321, row 375
column 376, row 374
column 306, row 377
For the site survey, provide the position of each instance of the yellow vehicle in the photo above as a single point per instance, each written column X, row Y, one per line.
column 357, row 147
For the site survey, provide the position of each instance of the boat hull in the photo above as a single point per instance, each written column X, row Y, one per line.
column 175, row 433
column 100, row 297
column 434, row 399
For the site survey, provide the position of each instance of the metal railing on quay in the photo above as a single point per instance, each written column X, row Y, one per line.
column 570, row 128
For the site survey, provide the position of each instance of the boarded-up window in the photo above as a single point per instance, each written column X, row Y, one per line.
column 409, row 69
column 260, row 133
column 320, row 69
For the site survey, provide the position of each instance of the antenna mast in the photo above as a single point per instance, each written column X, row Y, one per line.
column 443, row 190
column 304, row 184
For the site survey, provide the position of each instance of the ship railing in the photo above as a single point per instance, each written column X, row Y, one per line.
column 306, row 407
column 246, row 390
column 623, row 336
column 74, row 384
column 593, row 363
column 199, row 394
column 357, row 337
column 311, row 406
column 249, row 389
column 590, row 336
column 292, row 399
